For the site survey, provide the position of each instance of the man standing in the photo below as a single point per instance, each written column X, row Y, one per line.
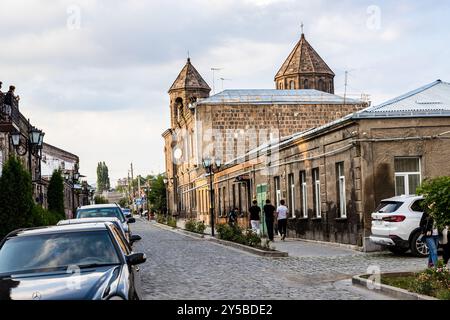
column 269, row 211
column 282, row 219
column 255, row 212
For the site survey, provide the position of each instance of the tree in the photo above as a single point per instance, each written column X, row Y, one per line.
column 16, row 197
column 55, row 194
column 437, row 198
column 103, row 183
column 157, row 194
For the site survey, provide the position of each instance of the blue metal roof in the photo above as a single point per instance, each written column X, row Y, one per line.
column 430, row 100
column 272, row 96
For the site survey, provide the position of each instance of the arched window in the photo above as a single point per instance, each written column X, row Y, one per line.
column 179, row 108
column 305, row 84
column 292, row 85
column 321, row 85
column 280, row 86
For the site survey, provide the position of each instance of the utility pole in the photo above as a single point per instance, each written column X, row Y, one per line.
column 345, row 86
column 132, row 179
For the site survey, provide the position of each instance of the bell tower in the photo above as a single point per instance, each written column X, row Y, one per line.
column 187, row 88
column 305, row 69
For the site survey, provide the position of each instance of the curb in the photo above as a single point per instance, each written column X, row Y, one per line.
column 394, row 292
column 259, row 252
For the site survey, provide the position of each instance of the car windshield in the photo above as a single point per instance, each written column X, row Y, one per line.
column 47, row 252
column 100, row 213
column 389, row 206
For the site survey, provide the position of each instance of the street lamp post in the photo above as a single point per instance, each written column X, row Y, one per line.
column 210, row 166
column 31, row 144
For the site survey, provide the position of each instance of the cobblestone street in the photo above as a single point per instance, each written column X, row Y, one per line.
column 182, row 267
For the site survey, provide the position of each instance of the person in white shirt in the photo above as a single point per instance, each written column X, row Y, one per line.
column 282, row 211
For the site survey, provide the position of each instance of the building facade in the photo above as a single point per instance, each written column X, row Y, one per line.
column 334, row 176
column 54, row 158
column 234, row 122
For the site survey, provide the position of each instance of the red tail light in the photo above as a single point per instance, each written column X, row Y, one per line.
column 394, row 219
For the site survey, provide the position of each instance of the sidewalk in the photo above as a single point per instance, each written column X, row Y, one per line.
column 299, row 248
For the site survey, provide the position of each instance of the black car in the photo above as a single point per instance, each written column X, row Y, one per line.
column 74, row 262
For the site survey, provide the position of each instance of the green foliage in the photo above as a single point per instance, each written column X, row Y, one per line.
column 437, row 197
column 42, row 217
column 55, row 193
column 16, row 197
column 172, row 222
column 123, row 202
column 100, row 200
column 237, row 234
column 103, row 183
column 157, row 193
column 434, row 282
column 160, row 218
column 195, row 226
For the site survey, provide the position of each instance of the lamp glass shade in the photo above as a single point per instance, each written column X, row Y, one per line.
column 76, row 176
column 218, row 163
column 67, row 175
column 35, row 136
column 15, row 138
column 166, row 181
column 206, row 163
column 41, row 139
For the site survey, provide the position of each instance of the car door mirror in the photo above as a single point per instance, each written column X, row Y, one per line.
column 135, row 238
column 136, row 258
column 131, row 220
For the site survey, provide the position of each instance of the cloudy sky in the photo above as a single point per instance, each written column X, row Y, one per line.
column 94, row 74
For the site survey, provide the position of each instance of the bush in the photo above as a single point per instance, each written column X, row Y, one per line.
column 437, row 194
column 42, row 217
column 172, row 222
column 237, row 234
column 195, row 226
column 434, row 282
column 100, row 200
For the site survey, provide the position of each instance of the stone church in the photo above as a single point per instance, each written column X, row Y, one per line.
column 230, row 124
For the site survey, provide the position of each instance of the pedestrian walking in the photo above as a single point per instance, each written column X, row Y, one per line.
column 445, row 245
column 255, row 217
column 232, row 216
column 430, row 234
column 269, row 211
column 282, row 219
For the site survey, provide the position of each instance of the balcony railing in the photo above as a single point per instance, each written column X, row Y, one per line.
column 9, row 117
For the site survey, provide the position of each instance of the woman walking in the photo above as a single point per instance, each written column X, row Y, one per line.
column 430, row 235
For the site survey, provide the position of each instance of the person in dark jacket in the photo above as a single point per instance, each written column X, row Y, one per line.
column 233, row 216
column 430, row 235
column 255, row 212
column 10, row 98
column 269, row 211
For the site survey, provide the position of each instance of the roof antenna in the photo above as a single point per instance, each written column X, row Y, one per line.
column 189, row 56
column 302, row 25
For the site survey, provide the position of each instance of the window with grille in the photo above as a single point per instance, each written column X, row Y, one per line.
column 304, row 195
column 340, row 182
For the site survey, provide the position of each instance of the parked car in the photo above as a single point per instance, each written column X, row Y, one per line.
column 74, row 262
column 106, row 211
column 127, row 213
column 396, row 224
column 133, row 238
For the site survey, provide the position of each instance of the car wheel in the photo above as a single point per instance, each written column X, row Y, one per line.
column 418, row 247
column 398, row 250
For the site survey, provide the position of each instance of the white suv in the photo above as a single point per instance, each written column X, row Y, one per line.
column 396, row 224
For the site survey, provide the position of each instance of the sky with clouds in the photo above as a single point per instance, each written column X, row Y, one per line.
column 94, row 74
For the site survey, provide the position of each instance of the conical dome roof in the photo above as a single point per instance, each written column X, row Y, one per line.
column 304, row 60
column 189, row 78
